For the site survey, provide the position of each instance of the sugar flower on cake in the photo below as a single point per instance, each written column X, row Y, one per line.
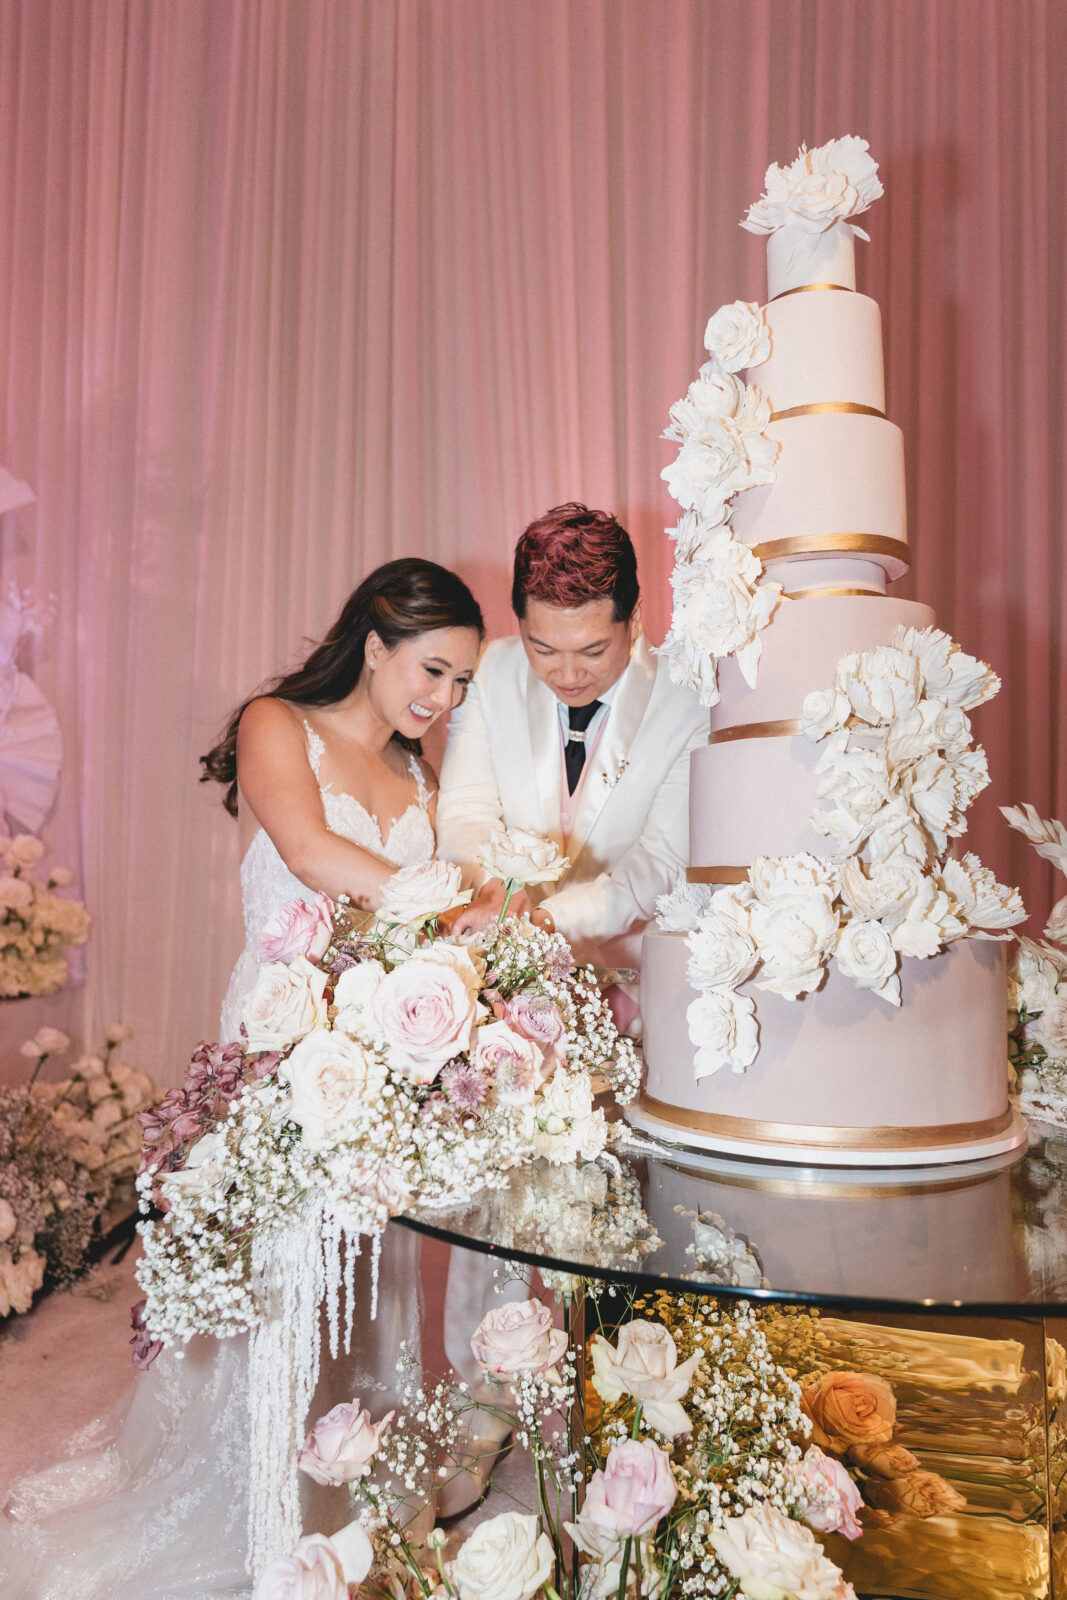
column 865, row 953
column 710, row 398
column 989, row 908
column 723, row 1027
column 643, row 1363
column 720, row 607
column 946, row 671
column 737, row 336
column 680, row 910
column 818, row 189
column 722, row 952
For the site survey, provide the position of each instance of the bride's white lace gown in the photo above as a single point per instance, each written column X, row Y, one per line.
column 152, row 1503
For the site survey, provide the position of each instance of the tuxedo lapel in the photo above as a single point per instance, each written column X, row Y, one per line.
column 610, row 758
column 542, row 722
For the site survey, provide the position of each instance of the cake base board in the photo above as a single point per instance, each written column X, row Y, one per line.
column 1013, row 1138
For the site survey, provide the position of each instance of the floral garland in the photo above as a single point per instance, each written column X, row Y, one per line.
column 37, row 927
column 1037, row 987
column 897, row 775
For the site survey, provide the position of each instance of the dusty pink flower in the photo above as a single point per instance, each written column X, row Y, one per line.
column 343, row 1444
column 298, row 928
column 833, row 1500
column 536, row 1017
column 518, row 1337
column 633, row 1491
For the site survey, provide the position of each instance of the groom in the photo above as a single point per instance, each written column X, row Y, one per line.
column 575, row 731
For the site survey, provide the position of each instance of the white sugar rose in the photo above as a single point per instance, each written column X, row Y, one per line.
column 774, row 1558
column 644, row 1363
column 721, row 953
column 334, row 1083
column 706, row 474
column 723, row 1028
column 931, row 726
column 980, row 900
column 778, row 879
column 824, row 711
column 851, row 157
column 505, row 1558
column 737, row 336
column 882, row 891
column 286, row 1003
column 568, row 1126
column 426, row 1012
column 681, row 909
column 720, row 605
column 343, row 1445
column 795, row 938
column 518, row 1337
column 865, row 954
column 521, row 856
column 352, row 996
column 416, row 894
column 511, row 1062
column 710, row 398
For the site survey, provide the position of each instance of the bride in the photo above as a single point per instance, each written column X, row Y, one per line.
column 324, row 773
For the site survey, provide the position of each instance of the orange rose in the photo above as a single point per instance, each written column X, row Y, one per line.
column 916, row 1494
column 883, row 1460
column 849, row 1408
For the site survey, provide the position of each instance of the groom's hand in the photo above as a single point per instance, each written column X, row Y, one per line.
column 486, row 908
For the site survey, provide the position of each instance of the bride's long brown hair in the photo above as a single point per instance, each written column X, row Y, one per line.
column 396, row 601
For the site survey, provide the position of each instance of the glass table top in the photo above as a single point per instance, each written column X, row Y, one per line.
column 985, row 1236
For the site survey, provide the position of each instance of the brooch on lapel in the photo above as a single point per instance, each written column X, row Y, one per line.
column 620, row 769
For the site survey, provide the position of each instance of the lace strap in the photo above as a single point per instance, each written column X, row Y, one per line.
column 420, row 781
column 316, row 748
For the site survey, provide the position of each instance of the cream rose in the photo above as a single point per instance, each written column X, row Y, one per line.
column 15, row 893
column 25, row 849
column 865, row 954
column 1056, row 926
column 313, row 1572
column 511, row 1062
column 343, row 1444
column 333, row 1082
column 1050, row 1029
column 518, row 855
column 644, row 1364
column 567, row 1126
column 352, row 996
column 723, row 1028
column 849, row 1408
column 417, row 894
column 737, row 336
column 633, row 1491
column 518, row 1337
column 774, row 1558
column 426, row 1012
column 505, row 1558
column 286, row 1002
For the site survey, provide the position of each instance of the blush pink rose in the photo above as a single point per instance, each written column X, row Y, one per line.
column 298, row 928
column 518, row 1337
column 633, row 1491
column 426, row 1010
column 537, row 1017
column 343, row 1444
column 314, row 1572
column 512, row 1063
column 833, row 1500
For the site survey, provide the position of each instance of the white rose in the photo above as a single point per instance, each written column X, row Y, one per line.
column 644, row 1364
column 824, row 711
column 681, row 909
column 286, row 1003
column 568, row 1128
column 774, row 1558
column 352, row 996
column 946, row 671
column 519, row 855
column 982, row 901
column 334, row 1083
column 737, row 336
column 415, row 894
column 721, row 953
column 505, row 1558
column 794, row 938
column 203, row 1169
column 865, row 954
column 722, row 1025
column 1032, row 980
column 710, row 398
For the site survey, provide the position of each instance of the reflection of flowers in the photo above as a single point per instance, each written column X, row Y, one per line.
column 850, row 1408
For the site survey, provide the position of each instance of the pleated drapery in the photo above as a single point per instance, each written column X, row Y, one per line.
column 289, row 287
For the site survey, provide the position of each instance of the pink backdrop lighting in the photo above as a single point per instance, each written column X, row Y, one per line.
column 290, row 288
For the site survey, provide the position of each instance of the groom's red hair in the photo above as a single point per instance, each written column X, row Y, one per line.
column 573, row 555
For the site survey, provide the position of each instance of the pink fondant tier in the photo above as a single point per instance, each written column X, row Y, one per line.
column 841, row 1076
column 826, row 346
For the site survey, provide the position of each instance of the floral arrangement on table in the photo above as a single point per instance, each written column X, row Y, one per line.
column 897, row 775
column 67, row 1150
column 695, row 1464
column 722, row 601
column 37, row 926
column 1037, row 990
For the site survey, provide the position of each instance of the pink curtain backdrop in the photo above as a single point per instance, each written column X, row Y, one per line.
column 290, row 288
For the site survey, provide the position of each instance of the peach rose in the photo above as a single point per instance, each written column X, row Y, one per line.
column 286, row 1003
column 832, row 1499
column 426, row 1011
column 850, row 1408
column 298, row 928
column 517, row 1337
column 633, row 1491
column 883, row 1460
column 916, row 1494
column 342, row 1445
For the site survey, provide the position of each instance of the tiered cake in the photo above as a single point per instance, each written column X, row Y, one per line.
column 831, row 987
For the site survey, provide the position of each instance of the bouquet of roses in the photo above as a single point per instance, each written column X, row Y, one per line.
column 383, row 1065
column 37, row 926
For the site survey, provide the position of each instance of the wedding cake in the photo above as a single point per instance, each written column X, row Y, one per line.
column 829, row 985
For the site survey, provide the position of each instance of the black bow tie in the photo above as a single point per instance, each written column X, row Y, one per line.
column 579, row 718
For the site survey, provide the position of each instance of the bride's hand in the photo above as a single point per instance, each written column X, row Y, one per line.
column 485, row 909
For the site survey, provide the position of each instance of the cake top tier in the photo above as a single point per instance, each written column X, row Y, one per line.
column 806, row 210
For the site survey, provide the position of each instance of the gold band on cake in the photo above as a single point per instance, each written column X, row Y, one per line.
column 806, row 288
column 827, row 590
column 784, row 728
column 814, row 544
column 821, row 407
column 819, row 1136
column 716, row 875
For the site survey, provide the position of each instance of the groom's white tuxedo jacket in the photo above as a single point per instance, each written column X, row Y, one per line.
column 630, row 838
